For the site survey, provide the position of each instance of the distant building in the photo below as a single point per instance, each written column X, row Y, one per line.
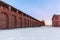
column 43, row 23
column 56, row 20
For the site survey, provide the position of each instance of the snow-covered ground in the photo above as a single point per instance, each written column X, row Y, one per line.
column 37, row 33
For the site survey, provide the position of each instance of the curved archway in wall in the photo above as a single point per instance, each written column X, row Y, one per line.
column 24, row 22
column 20, row 22
column 13, row 21
column 3, row 20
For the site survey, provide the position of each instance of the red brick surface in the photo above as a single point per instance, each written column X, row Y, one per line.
column 56, row 21
column 13, row 18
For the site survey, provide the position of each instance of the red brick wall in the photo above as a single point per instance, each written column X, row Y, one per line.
column 11, row 18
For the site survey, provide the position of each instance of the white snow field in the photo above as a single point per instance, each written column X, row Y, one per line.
column 37, row 33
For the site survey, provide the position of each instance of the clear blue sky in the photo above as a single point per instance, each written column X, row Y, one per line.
column 39, row 9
